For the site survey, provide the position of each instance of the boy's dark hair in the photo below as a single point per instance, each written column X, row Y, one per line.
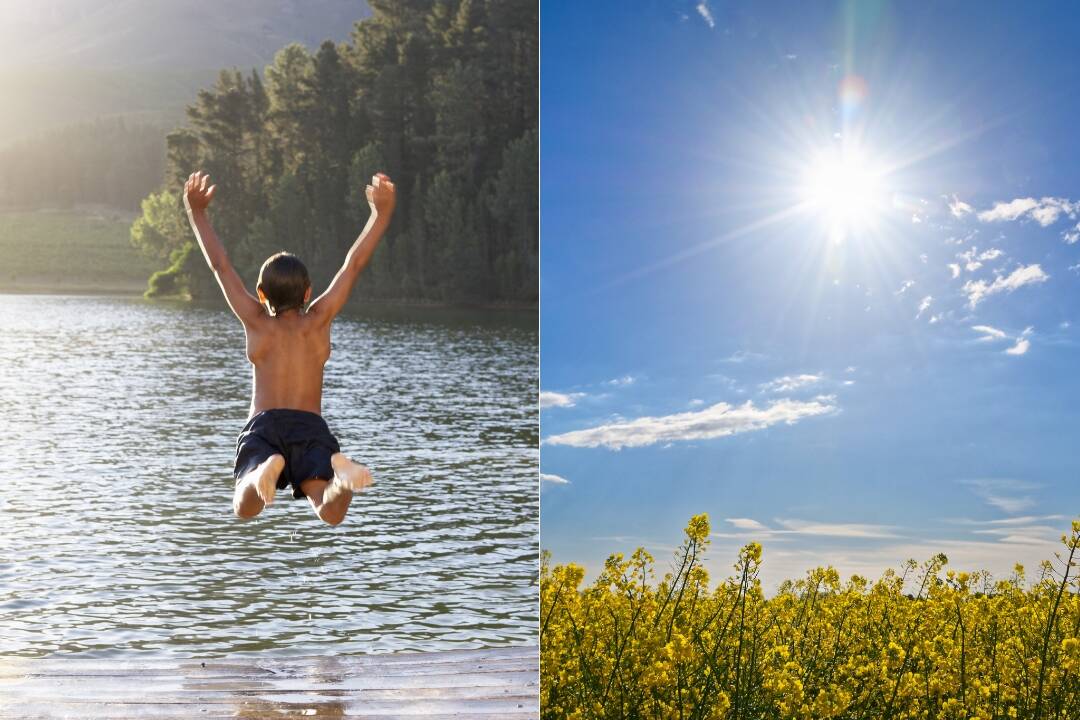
column 284, row 281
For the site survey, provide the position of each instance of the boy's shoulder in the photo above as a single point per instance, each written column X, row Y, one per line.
column 298, row 326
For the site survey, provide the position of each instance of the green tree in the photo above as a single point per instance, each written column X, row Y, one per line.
column 439, row 94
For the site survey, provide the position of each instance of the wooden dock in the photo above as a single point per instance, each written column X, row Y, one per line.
column 491, row 683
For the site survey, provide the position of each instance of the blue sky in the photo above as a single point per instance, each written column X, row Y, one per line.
column 812, row 269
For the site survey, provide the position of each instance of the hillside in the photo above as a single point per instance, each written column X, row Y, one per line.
column 64, row 61
column 79, row 251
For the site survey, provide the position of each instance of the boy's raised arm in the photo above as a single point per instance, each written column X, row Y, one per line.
column 381, row 198
column 197, row 196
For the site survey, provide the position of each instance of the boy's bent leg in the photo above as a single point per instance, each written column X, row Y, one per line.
column 330, row 498
column 256, row 490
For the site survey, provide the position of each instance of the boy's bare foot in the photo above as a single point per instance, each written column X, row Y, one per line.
column 348, row 474
column 264, row 478
column 256, row 490
column 331, row 502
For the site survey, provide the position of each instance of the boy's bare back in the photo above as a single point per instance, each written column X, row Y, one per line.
column 288, row 353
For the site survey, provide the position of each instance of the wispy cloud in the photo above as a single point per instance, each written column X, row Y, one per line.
column 1020, row 520
column 716, row 421
column 959, row 208
column 553, row 479
column 850, row 530
column 972, row 259
column 746, row 523
column 979, row 290
column 1022, row 342
column 549, row 399
column 1005, row 494
column 741, row 356
column 1071, row 236
column 622, row 381
column 1020, row 347
column 706, row 13
column 1045, row 211
column 989, row 333
column 788, row 383
column 992, row 334
column 924, row 305
column 748, row 527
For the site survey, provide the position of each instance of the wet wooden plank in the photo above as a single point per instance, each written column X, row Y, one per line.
column 499, row 682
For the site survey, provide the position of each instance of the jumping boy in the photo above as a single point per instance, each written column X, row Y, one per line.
column 286, row 442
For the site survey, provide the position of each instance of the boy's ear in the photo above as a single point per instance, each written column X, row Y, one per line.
column 262, row 296
column 307, row 295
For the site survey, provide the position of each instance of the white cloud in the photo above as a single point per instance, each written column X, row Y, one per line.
column 622, row 381
column 705, row 13
column 852, row 530
column 1051, row 208
column 1022, row 343
column 979, row 290
column 715, row 421
column 1071, row 236
column 955, row 267
column 989, row 333
column 696, row 402
column 1045, row 211
column 959, row 208
column 1008, row 210
column 746, row 523
column 973, row 259
column 1003, row 493
column 1020, row 347
column 749, row 527
column 1009, row 504
column 553, row 479
column 904, row 287
column 549, row 399
column 741, row 356
column 924, row 305
column 787, row 383
column 1021, row 520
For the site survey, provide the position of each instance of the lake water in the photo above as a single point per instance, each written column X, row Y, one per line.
column 117, row 536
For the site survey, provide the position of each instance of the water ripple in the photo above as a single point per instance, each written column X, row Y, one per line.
column 121, row 418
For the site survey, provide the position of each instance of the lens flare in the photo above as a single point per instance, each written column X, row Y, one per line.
column 852, row 93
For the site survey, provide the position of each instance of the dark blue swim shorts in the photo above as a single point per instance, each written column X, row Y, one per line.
column 301, row 437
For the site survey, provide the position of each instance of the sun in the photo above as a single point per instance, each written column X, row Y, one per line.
column 845, row 189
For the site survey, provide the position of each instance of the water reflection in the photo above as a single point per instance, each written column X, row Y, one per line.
column 120, row 420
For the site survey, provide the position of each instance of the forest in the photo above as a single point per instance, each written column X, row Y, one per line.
column 107, row 161
column 442, row 96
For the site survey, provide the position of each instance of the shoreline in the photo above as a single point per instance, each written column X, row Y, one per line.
column 136, row 291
